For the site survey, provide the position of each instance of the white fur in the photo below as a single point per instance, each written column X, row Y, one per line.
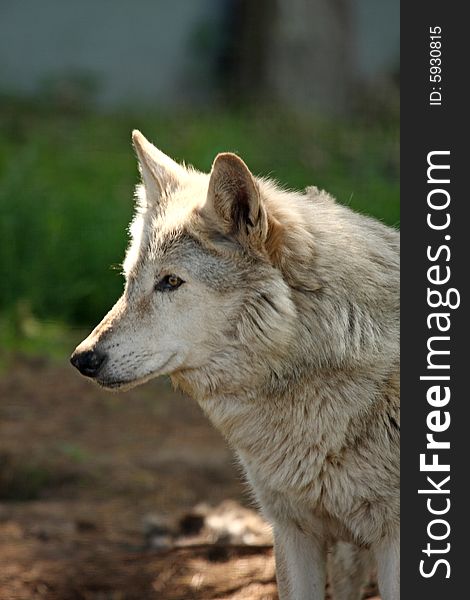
column 285, row 331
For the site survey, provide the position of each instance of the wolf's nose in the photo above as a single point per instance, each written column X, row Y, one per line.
column 88, row 363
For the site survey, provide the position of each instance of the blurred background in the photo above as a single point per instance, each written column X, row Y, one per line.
column 100, row 495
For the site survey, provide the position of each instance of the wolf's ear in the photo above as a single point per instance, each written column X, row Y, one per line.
column 234, row 197
column 160, row 174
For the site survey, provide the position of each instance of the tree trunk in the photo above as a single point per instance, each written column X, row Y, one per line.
column 296, row 53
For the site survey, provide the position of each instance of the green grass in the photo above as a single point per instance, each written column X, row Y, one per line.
column 66, row 185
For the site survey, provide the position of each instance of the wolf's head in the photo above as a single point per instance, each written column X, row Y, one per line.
column 205, row 294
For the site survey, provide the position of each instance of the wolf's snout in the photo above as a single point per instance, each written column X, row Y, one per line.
column 89, row 362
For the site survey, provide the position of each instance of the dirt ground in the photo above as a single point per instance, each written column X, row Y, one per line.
column 120, row 496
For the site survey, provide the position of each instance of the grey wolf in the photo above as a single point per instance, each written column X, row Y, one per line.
column 278, row 312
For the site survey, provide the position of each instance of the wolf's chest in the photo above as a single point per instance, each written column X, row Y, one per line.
column 283, row 449
column 301, row 468
column 327, row 504
column 306, row 497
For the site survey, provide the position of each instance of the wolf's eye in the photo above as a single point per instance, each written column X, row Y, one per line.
column 168, row 283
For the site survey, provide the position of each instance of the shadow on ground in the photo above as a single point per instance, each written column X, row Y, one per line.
column 109, row 496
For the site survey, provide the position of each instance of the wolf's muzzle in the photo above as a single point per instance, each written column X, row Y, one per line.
column 89, row 362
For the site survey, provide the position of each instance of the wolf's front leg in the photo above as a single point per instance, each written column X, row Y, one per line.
column 300, row 564
column 387, row 556
column 349, row 567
